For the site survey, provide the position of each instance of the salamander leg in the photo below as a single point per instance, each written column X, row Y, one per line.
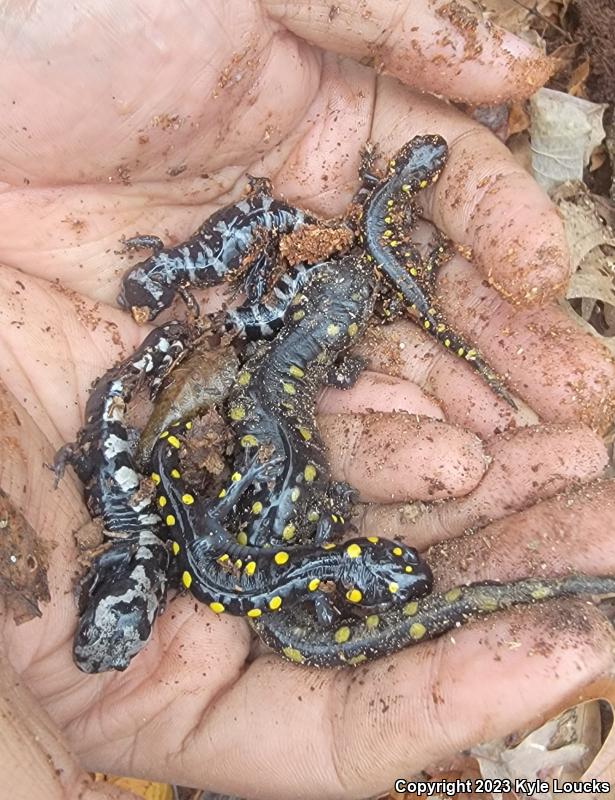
column 345, row 373
column 147, row 242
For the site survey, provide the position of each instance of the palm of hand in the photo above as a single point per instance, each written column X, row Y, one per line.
column 151, row 147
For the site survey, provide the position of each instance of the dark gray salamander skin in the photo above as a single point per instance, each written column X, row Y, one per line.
column 367, row 572
column 355, row 640
column 389, row 215
column 233, row 245
column 126, row 584
column 272, row 409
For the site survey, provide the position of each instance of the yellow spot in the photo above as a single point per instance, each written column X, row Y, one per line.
column 288, row 388
column 257, row 507
column 175, row 473
column 335, row 518
column 250, row 568
column 162, row 501
column 222, row 493
column 313, row 584
column 540, row 593
column 188, row 426
column 452, row 595
column 238, row 564
column 387, row 234
column 372, row 621
column 275, row 602
column 186, row 579
column 417, row 631
column 393, row 587
column 394, row 243
column 296, row 371
column 236, row 476
column 353, row 550
column 243, row 379
column 359, row 659
column 390, row 203
column 373, row 539
column 354, row 596
column 248, row 440
column 288, row 532
column 309, row 473
column 397, row 551
column 217, row 608
column 447, row 342
column 224, row 557
column 342, row 634
column 423, row 184
column 297, row 316
column 440, row 327
column 164, row 434
column 408, row 569
column 242, row 538
column 313, row 516
column 174, row 442
column 292, row 654
column 426, row 324
column 414, row 271
column 187, row 499
column 305, row 434
column 353, row 329
column 295, row 494
column 170, row 519
column 237, row 413
column 486, row 603
column 328, row 545
column 333, row 330
column 281, row 557
column 254, row 612
column 410, row 609
column 388, row 220
column 471, row 355
column 406, row 187
column 460, row 351
column 175, row 548
column 155, row 478
column 392, row 162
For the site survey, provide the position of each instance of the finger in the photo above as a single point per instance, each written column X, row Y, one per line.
column 378, row 392
column 561, row 371
column 396, row 456
column 483, row 199
column 442, row 49
column 403, row 350
column 569, row 532
column 526, row 466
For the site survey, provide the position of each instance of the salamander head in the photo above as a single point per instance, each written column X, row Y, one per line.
column 380, row 573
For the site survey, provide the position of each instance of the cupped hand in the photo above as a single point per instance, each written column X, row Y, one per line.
column 143, row 120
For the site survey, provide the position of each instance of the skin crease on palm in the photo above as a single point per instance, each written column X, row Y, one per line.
column 144, row 119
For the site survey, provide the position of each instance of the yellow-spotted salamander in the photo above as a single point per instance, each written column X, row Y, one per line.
column 236, row 244
column 365, row 572
column 272, row 408
column 355, row 640
column 126, row 584
column 389, row 215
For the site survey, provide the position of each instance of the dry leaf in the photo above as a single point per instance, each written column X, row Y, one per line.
column 565, row 130
column 576, row 83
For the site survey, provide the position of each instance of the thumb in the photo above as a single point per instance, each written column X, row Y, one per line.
column 440, row 47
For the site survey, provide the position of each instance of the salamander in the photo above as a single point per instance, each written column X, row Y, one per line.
column 237, row 244
column 388, row 217
column 367, row 572
column 354, row 640
column 126, row 584
column 272, row 408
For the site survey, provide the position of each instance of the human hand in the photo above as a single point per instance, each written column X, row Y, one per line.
column 299, row 115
